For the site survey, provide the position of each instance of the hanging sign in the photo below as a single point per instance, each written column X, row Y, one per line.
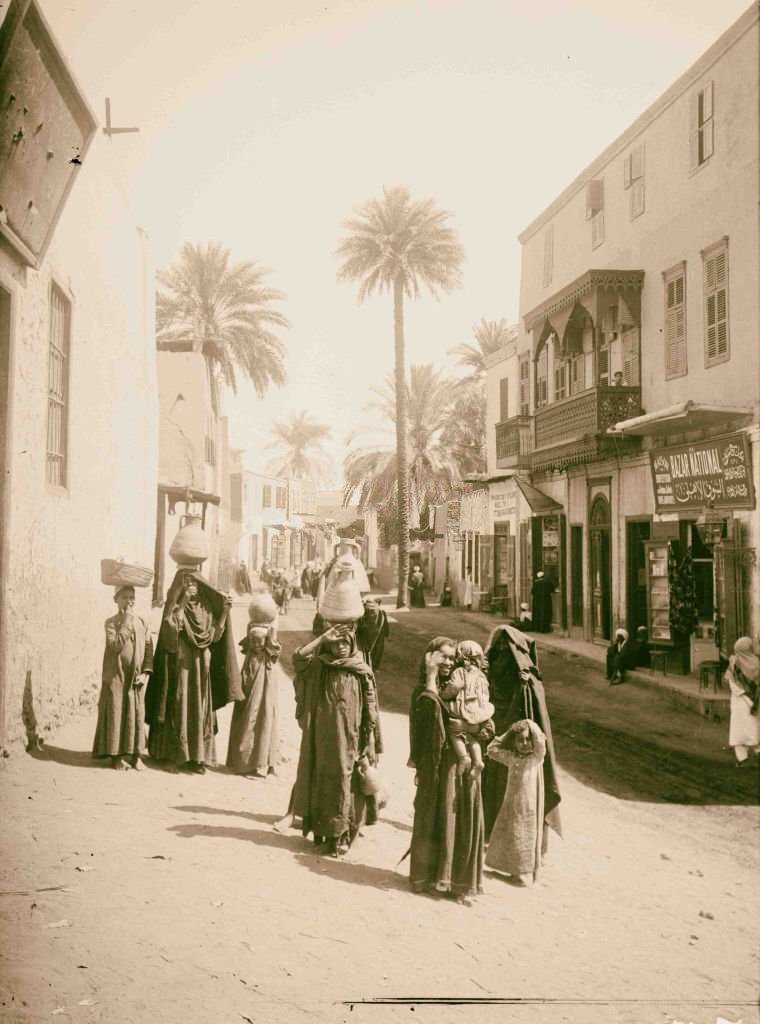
column 688, row 476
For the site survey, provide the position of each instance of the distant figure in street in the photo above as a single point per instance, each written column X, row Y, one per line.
column 467, row 595
column 265, row 572
column 127, row 664
column 446, row 595
column 447, row 837
column 243, row 579
column 542, row 591
column 195, row 673
column 254, row 731
column 524, row 619
column 517, row 837
column 417, row 588
column 615, row 669
column 469, row 720
column 743, row 678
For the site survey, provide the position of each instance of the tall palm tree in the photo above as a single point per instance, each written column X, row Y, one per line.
column 206, row 305
column 300, row 453
column 490, row 335
column 402, row 246
column 371, row 471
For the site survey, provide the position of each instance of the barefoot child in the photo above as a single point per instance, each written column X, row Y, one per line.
column 517, row 836
column 470, row 712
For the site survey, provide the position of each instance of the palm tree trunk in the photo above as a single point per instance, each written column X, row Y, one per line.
column 402, row 457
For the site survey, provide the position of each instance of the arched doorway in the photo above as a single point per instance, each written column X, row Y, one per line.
column 600, row 568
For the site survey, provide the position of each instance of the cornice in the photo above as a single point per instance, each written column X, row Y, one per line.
column 618, row 280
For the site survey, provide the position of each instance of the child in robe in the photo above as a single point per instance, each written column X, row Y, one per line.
column 469, row 711
column 517, row 835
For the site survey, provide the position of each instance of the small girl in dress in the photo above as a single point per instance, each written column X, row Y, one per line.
column 254, row 734
column 517, row 836
column 470, row 712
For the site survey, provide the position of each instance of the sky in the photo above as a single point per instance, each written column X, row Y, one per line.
column 265, row 123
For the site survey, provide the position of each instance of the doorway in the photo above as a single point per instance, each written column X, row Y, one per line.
column 637, row 531
column 600, row 569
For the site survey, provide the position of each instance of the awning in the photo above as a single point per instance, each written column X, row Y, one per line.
column 676, row 419
column 538, row 501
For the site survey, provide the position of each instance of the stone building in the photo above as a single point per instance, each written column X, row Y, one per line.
column 626, row 417
column 77, row 373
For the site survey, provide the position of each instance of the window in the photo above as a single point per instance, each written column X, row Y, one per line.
column 542, row 377
column 281, row 497
column 702, row 126
column 560, row 380
column 548, row 255
column 633, row 181
column 595, row 210
column 576, row 368
column 631, row 345
column 716, row 303
column 603, row 362
column 58, row 388
column 266, row 496
column 503, row 399
column 524, row 385
column 675, row 322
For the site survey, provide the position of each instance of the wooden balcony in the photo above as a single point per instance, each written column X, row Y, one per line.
column 573, row 430
column 514, row 443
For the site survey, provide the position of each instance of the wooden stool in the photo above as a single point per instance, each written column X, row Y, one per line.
column 659, row 661
column 709, row 671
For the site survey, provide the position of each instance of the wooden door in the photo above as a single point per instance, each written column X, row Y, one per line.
column 600, row 569
column 637, row 533
column 576, row 576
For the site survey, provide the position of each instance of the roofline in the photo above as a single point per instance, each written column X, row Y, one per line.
column 723, row 43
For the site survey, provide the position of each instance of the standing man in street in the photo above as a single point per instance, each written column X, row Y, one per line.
column 542, row 591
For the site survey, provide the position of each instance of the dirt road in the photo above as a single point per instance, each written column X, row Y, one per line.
column 148, row 896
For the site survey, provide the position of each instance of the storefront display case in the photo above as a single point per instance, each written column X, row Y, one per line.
column 658, row 594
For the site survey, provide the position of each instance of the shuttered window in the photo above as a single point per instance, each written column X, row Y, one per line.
column 716, row 304
column 266, row 496
column 577, row 373
column 595, row 210
column 631, row 346
column 548, row 255
column 503, row 399
column 633, row 181
column 58, row 388
column 524, row 385
column 542, row 377
column 702, row 133
column 675, row 323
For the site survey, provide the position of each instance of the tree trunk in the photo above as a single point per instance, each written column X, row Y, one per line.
column 402, row 457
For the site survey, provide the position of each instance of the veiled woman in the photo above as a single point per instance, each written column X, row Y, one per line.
column 127, row 662
column 195, row 673
column 336, row 707
column 517, row 692
column 447, row 836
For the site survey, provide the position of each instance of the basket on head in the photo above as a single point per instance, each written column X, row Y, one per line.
column 115, row 572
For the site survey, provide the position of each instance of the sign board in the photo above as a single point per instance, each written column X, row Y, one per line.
column 688, row 476
column 503, row 504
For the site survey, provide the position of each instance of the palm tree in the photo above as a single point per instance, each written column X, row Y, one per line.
column 300, row 452
column 223, row 311
column 371, row 471
column 403, row 246
column 465, row 432
column 490, row 335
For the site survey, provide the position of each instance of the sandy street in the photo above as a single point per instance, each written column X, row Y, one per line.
column 132, row 897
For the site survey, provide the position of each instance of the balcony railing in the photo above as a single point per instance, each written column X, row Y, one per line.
column 573, row 429
column 514, row 443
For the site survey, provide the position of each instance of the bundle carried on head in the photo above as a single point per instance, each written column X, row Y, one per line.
column 262, row 610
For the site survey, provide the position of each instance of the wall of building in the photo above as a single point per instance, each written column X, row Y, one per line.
column 56, row 537
column 686, row 210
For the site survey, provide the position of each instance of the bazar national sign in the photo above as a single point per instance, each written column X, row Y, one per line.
column 688, row 476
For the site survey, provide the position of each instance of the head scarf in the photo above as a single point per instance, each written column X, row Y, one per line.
column 435, row 645
column 621, row 634
column 746, row 660
column 470, row 651
column 352, row 662
column 508, row 740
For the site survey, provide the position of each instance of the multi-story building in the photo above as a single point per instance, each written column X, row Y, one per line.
column 77, row 381
column 628, row 410
column 277, row 517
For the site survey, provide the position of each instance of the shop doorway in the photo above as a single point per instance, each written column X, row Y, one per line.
column 600, row 569
column 637, row 531
column 576, row 576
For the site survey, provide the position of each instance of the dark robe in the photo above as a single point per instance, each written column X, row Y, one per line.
column 194, row 674
column 121, row 709
column 336, row 707
column 517, row 692
column 417, row 590
column 371, row 633
column 447, row 837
